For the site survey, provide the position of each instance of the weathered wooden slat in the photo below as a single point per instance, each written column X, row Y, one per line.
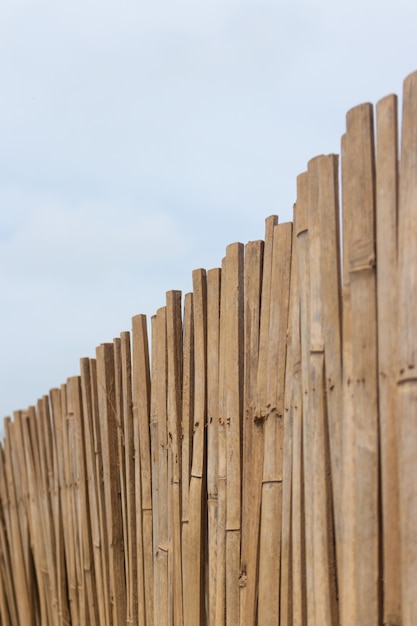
column 143, row 472
column 108, row 431
column 407, row 350
column 252, row 431
column 271, row 513
column 174, row 415
column 194, row 580
column 213, row 339
column 360, row 186
column 387, row 275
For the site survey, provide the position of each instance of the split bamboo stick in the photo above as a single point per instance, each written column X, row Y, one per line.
column 271, row 512
column 407, row 339
column 387, row 276
column 213, row 339
column 194, row 606
column 252, row 435
column 143, row 473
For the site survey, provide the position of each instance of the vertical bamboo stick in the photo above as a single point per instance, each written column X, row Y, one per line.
column 213, row 339
column 130, row 490
column 234, row 417
column 361, row 189
column 258, row 418
column 386, row 233
column 330, row 287
column 271, row 513
column 174, row 410
column 8, row 605
column 347, row 594
column 24, row 590
column 143, row 477
column 160, row 467
column 292, row 359
column 187, row 435
column 221, row 476
column 91, row 611
column 297, row 509
column 307, row 459
column 407, row 390
column 119, row 416
column 108, row 427
column 58, row 505
column 194, row 607
column 92, row 488
column 253, row 445
column 324, row 566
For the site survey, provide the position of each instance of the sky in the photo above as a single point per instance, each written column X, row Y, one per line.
column 138, row 138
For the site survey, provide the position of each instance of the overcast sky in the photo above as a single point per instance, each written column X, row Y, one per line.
column 139, row 137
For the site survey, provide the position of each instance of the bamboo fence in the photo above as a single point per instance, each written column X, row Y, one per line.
column 255, row 463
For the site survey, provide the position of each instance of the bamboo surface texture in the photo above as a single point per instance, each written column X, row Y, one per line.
column 254, row 463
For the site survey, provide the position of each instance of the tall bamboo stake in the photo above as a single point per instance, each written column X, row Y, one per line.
column 213, row 338
column 271, row 513
column 252, row 435
column 407, row 338
column 386, row 233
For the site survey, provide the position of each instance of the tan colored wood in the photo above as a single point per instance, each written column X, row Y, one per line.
column 324, row 558
column 213, row 339
column 194, row 602
column 92, row 489
column 271, row 513
column 331, row 315
column 406, row 372
column 174, row 410
column 297, row 509
column 286, row 593
column 347, row 560
column 24, row 592
column 160, row 466
column 361, row 189
column 221, row 476
column 233, row 416
column 142, row 450
column 187, row 433
column 108, row 427
column 308, row 482
column 252, row 435
column 387, row 274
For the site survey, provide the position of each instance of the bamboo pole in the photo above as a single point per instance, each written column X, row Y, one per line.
column 194, row 606
column 307, row 451
column 187, row 434
column 297, row 509
column 331, row 308
column 347, row 560
column 406, row 372
column 18, row 533
column 233, row 417
column 361, row 189
column 324, row 565
column 143, row 473
column 213, row 339
column 160, row 466
column 221, row 476
column 93, row 488
column 252, row 435
column 271, row 512
column 387, row 275
column 174, row 410
column 108, row 432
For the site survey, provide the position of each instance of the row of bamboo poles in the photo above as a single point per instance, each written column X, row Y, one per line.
column 257, row 465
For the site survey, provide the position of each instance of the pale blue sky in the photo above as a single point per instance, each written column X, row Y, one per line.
column 139, row 138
